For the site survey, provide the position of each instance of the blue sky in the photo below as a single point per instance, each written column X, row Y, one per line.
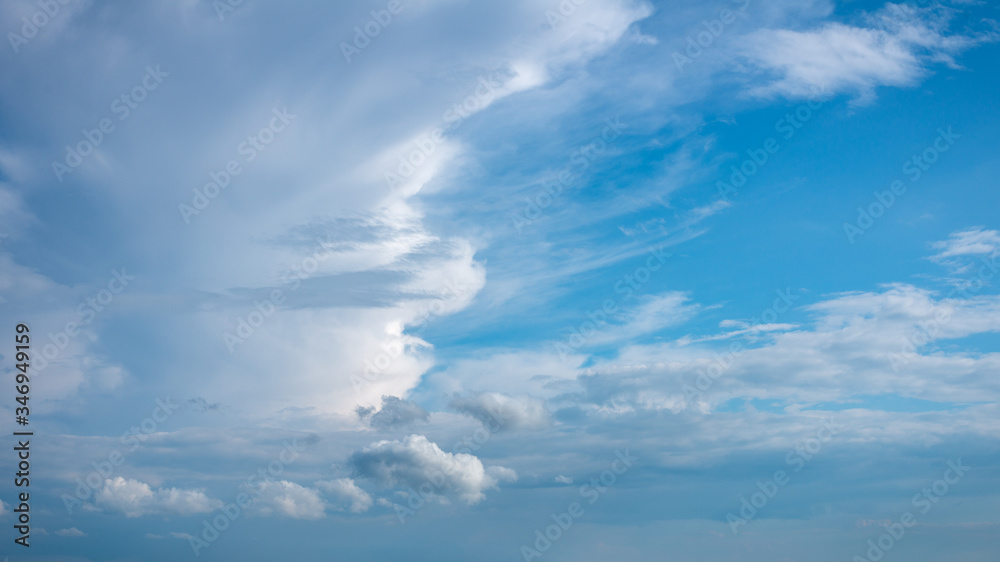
column 503, row 280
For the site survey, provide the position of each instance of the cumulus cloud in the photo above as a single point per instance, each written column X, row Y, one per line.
column 71, row 532
column 346, row 490
column 895, row 47
column 395, row 412
column 417, row 463
column 135, row 499
column 286, row 499
column 501, row 412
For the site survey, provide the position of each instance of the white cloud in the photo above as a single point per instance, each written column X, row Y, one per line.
column 345, row 489
column 590, row 29
column 419, row 464
column 380, row 281
column 135, row 499
column 895, row 49
column 71, row 532
column 501, row 412
column 287, row 499
column 890, row 342
column 651, row 315
column 975, row 241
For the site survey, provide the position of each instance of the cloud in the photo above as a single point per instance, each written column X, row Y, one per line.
column 891, row 342
column 501, row 412
column 184, row 536
column 651, row 315
column 346, row 490
column 975, row 241
column 395, row 412
column 561, row 479
column 589, row 30
column 417, row 463
column 286, row 499
column 895, row 48
column 135, row 499
column 199, row 404
column 71, row 532
column 387, row 269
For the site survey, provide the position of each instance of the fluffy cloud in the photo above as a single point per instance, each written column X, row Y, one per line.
column 135, row 499
column 417, row 463
column 895, row 48
column 501, row 412
column 71, row 532
column 286, row 499
column 345, row 489
column 395, row 412
column 388, row 266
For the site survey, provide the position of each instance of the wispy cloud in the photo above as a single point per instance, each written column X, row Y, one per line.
column 895, row 46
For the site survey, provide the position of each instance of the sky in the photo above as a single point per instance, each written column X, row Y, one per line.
column 451, row 280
